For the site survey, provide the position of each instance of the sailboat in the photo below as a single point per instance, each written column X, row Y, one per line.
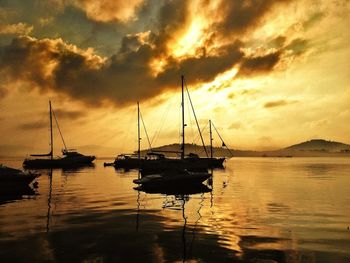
column 191, row 160
column 71, row 158
column 155, row 161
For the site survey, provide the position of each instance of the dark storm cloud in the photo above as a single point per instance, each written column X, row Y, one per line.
column 126, row 76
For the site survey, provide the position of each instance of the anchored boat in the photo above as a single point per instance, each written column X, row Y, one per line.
column 71, row 158
column 157, row 161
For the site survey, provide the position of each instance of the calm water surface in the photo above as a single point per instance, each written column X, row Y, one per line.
column 259, row 210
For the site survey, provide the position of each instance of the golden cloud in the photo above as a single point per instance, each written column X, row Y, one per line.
column 109, row 10
column 150, row 62
column 16, row 29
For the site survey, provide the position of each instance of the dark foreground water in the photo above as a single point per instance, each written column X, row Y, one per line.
column 259, row 210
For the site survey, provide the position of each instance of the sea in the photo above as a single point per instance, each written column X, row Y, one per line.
column 254, row 210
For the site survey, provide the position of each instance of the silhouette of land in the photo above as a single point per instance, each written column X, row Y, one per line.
column 315, row 147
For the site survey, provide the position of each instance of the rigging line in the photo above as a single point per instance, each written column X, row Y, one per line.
column 195, row 117
column 179, row 125
column 127, row 134
column 144, row 127
column 190, row 121
column 202, row 131
column 224, row 144
column 162, row 121
column 54, row 115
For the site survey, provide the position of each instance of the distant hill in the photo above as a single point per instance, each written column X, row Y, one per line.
column 319, row 145
column 316, row 147
column 310, row 148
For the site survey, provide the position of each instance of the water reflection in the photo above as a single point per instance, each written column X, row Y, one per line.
column 175, row 199
column 49, row 202
column 267, row 211
column 175, row 190
column 12, row 195
column 77, row 169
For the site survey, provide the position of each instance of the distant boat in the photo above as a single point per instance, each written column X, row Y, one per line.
column 71, row 157
column 15, row 179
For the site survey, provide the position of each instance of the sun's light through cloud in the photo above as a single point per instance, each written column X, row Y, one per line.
column 192, row 39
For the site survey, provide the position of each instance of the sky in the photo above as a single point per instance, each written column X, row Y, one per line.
column 268, row 73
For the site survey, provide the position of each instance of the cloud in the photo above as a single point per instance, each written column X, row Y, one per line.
column 125, row 77
column 3, row 92
column 278, row 103
column 241, row 16
column 297, row 46
column 265, row 139
column 313, row 20
column 34, row 125
column 15, row 29
column 144, row 66
column 69, row 114
column 108, row 10
column 235, row 125
column 261, row 64
column 61, row 114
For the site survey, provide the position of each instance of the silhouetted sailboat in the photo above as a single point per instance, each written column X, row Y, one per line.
column 71, row 157
column 191, row 160
column 155, row 160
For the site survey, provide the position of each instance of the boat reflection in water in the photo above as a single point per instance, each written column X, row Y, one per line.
column 175, row 198
column 173, row 178
column 174, row 190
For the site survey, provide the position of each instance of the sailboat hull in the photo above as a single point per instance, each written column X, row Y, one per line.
column 167, row 163
column 64, row 162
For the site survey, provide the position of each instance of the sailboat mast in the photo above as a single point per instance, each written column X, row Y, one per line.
column 51, row 135
column 211, row 140
column 183, row 118
column 138, row 132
